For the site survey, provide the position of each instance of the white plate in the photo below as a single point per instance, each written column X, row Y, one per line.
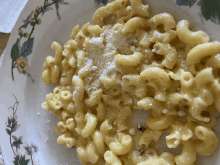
column 37, row 125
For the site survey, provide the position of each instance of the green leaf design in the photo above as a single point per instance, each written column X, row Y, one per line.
column 23, row 161
column 16, row 160
column 45, row 9
column 26, row 21
column 9, row 121
column 57, row 2
column 15, row 138
column 211, row 10
column 17, row 142
column 27, row 47
column 57, row 9
column 8, row 131
column 14, row 128
column 104, row 2
column 101, row 1
column 15, row 51
column 62, row 2
column 28, row 150
column 189, row 3
column 34, row 147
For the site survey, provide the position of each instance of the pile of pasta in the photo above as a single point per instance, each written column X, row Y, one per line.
column 171, row 71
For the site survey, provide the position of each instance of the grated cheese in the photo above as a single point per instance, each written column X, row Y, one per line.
column 101, row 53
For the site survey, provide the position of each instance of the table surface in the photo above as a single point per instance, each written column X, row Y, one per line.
column 3, row 41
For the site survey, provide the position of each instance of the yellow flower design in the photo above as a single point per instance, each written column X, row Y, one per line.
column 38, row 21
column 22, row 64
column 26, row 35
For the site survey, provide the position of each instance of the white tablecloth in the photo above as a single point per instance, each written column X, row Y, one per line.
column 9, row 13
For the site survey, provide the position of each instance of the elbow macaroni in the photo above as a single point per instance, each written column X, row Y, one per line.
column 139, row 8
column 202, row 50
column 165, row 19
column 106, row 71
column 111, row 158
column 133, row 24
column 178, row 134
column 91, row 123
column 129, row 60
column 188, row 37
column 188, row 155
column 160, row 81
column 150, row 104
column 169, row 53
column 94, row 98
column 208, row 142
column 122, row 145
column 156, row 75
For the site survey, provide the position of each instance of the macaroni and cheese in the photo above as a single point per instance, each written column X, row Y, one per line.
column 105, row 71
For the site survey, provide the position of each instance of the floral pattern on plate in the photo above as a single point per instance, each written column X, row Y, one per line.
column 16, row 142
column 19, row 54
column 210, row 9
